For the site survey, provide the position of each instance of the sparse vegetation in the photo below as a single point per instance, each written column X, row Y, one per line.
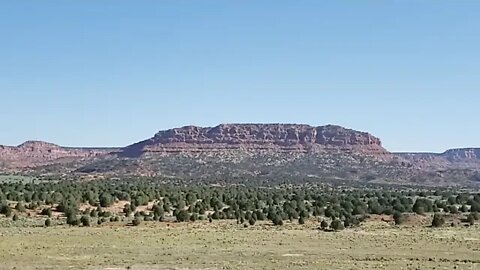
column 222, row 245
column 152, row 203
column 154, row 200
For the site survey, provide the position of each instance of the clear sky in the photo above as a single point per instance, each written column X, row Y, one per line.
column 110, row 73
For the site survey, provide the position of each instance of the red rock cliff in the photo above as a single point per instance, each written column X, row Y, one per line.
column 284, row 137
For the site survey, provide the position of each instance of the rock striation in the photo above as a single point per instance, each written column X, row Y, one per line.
column 38, row 153
column 279, row 137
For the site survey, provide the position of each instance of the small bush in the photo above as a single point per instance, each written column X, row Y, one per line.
column 48, row 222
column 194, row 217
column 301, row 220
column 398, row 218
column 324, row 225
column 20, row 207
column 337, row 225
column 277, row 221
column 438, row 221
column 106, row 200
column 94, row 213
column 47, row 212
column 6, row 210
column 136, row 222
column 85, row 220
column 72, row 219
column 182, row 216
column 453, row 209
column 471, row 219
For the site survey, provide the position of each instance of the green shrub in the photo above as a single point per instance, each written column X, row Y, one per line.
column 337, row 225
column 85, row 220
column 277, row 220
column 398, row 218
column 301, row 221
column 6, row 210
column 438, row 221
column 194, row 217
column 471, row 219
column 136, row 222
column 106, row 200
column 324, row 225
column 20, row 207
column 72, row 219
column 47, row 212
column 182, row 216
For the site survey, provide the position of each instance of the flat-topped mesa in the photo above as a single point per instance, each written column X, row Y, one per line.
column 283, row 137
column 462, row 154
column 277, row 134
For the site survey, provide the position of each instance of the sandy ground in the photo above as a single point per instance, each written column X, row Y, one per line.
column 225, row 245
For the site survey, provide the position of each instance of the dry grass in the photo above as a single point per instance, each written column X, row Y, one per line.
column 226, row 245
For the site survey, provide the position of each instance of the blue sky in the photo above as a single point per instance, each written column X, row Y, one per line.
column 109, row 73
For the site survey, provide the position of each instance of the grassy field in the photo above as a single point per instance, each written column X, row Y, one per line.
column 229, row 246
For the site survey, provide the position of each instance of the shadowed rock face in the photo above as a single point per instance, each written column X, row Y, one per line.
column 284, row 137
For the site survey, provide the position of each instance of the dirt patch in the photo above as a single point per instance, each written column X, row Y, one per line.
column 292, row 255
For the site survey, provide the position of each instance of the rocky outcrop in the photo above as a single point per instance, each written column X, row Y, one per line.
column 458, row 155
column 279, row 137
column 38, row 153
column 464, row 158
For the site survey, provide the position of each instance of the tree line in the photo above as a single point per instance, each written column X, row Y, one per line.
column 334, row 207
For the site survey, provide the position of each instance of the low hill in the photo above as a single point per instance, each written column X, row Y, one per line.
column 32, row 154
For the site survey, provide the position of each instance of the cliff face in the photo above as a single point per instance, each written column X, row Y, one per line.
column 282, row 137
column 37, row 153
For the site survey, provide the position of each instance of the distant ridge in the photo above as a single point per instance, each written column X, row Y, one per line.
column 272, row 152
column 31, row 154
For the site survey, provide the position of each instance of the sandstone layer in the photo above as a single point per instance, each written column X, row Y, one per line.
column 37, row 153
column 277, row 137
